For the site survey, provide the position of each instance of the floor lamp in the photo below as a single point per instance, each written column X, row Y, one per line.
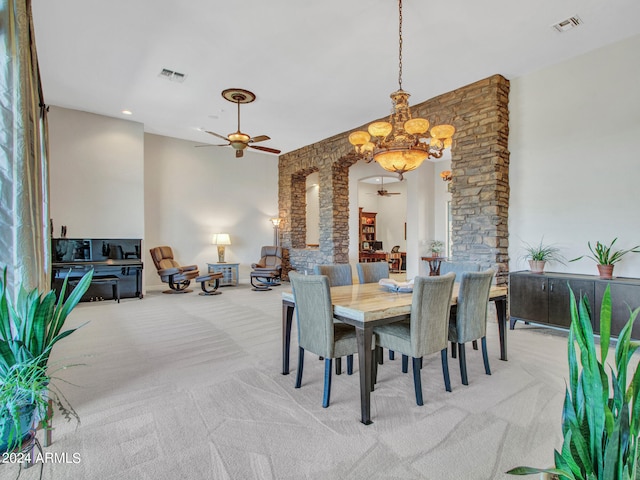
column 276, row 231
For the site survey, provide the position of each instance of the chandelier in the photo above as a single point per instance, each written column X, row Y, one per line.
column 403, row 143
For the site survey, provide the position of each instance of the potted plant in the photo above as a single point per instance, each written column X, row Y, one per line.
column 436, row 247
column 538, row 255
column 605, row 257
column 601, row 413
column 29, row 328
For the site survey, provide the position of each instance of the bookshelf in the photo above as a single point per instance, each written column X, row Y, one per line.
column 367, row 229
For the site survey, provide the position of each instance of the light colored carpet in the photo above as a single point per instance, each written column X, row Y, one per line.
column 189, row 387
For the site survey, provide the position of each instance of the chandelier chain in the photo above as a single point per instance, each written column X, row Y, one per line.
column 400, row 45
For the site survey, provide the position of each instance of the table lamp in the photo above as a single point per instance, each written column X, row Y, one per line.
column 221, row 239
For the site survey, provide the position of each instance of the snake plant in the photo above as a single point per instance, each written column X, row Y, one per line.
column 30, row 326
column 604, row 255
column 601, row 414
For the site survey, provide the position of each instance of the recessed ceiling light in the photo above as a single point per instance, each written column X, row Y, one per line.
column 127, row 112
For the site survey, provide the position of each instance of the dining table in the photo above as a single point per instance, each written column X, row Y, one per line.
column 368, row 305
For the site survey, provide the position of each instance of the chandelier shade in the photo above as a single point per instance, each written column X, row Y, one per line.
column 403, row 143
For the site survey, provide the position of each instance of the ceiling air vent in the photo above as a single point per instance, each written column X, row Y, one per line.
column 567, row 24
column 171, row 75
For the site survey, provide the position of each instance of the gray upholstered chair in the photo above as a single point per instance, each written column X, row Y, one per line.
column 459, row 267
column 469, row 320
column 426, row 332
column 371, row 272
column 317, row 331
column 338, row 273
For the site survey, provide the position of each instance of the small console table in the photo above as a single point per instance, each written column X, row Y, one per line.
column 434, row 265
column 229, row 272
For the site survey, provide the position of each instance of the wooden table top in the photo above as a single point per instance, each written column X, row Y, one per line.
column 370, row 301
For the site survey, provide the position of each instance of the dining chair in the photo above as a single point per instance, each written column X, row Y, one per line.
column 317, row 331
column 459, row 267
column 426, row 331
column 468, row 321
column 371, row 272
column 338, row 273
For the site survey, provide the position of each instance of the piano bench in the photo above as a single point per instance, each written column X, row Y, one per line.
column 98, row 279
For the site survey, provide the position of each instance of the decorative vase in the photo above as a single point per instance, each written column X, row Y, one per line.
column 537, row 266
column 606, row 271
column 8, row 430
column 549, row 476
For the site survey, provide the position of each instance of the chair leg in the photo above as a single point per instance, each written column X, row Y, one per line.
column 327, row 382
column 338, row 366
column 374, row 368
column 485, row 356
column 445, row 370
column 405, row 364
column 392, row 355
column 463, row 364
column 300, row 367
column 417, row 381
column 453, row 349
column 475, row 344
column 349, row 364
column 420, row 363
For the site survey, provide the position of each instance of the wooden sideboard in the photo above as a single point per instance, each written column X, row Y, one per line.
column 543, row 298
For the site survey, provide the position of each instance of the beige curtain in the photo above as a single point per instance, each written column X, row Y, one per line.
column 24, row 195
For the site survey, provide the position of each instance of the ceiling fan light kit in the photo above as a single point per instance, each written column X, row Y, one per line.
column 403, row 143
column 238, row 140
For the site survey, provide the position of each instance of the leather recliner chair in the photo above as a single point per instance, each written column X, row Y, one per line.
column 177, row 276
column 268, row 270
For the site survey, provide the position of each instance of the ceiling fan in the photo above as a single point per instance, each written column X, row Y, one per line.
column 384, row 193
column 238, row 140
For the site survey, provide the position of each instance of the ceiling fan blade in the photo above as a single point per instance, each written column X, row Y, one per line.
column 212, row 145
column 264, row 149
column 216, row 135
column 259, row 138
column 239, row 153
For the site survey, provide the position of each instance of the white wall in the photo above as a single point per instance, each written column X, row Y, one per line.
column 575, row 168
column 192, row 193
column 96, row 175
column 108, row 179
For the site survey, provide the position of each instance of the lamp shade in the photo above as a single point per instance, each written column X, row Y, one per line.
column 401, row 160
column 221, row 239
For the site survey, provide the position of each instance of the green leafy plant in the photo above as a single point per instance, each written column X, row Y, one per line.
column 604, row 255
column 601, row 413
column 23, row 397
column 30, row 326
column 436, row 246
column 542, row 252
column 29, row 329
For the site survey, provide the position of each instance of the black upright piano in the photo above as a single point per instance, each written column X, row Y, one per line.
column 120, row 257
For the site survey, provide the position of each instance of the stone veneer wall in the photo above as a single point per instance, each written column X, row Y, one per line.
column 480, row 188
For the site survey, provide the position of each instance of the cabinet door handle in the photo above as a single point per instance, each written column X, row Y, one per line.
column 551, row 287
column 544, row 286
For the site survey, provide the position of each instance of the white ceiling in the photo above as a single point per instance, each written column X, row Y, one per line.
column 317, row 68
